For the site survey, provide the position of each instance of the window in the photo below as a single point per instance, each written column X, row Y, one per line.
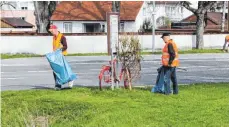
column 24, row 8
column 166, row 9
column 122, row 26
column 24, row 5
column 173, row 11
column 67, row 27
column 177, row 10
column 92, row 27
column 144, row 11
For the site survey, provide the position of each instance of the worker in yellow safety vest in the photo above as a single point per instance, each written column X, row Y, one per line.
column 59, row 42
column 170, row 62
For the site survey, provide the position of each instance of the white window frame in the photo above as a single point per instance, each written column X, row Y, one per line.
column 69, row 27
column 144, row 11
column 24, row 8
column 24, row 5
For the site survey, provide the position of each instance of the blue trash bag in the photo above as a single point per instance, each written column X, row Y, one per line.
column 160, row 86
column 60, row 67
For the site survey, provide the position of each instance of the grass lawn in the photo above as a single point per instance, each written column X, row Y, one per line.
column 193, row 51
column 10, row 56
column 195, row 106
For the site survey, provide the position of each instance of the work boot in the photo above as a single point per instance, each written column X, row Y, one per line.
column 70, row 84
column 57, row 87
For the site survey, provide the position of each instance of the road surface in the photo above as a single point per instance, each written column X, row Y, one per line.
column 35, row 73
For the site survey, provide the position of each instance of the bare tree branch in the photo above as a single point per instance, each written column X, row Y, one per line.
column 6, row 3
column 210, row 5
column 201, row 21
column 187, row 4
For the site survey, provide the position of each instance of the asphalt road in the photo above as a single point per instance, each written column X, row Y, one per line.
column 35, row 73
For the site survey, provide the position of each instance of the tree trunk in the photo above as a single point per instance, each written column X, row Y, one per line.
column 199, row 31
column 43, row 13
column 115, row 6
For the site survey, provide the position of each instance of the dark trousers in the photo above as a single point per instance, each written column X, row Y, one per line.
column 56, row 84
column 226, row 44
column 170, row 73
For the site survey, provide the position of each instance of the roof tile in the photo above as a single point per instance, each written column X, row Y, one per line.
column 94, row 10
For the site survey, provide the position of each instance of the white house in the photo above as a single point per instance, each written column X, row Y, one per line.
column 163, row 9
column 18, row 5
column 90, row 16
column 19, row 9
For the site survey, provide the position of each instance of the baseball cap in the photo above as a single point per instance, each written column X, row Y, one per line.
column 53, row 27
column 165, row 34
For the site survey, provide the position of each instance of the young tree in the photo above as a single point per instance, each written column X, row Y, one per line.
column 200, row 13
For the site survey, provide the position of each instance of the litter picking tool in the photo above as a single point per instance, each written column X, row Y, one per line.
column 182, row 69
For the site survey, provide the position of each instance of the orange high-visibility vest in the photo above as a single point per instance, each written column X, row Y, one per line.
column 227, row 38
column 165, row 55
column 57, row 44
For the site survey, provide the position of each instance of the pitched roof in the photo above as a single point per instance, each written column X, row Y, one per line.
column 94, row 10
column 215, row 17
column 17, row 22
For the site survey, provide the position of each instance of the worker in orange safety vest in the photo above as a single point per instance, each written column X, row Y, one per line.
column 170, row 62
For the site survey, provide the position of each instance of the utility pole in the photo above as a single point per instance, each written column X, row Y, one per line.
column 227, row 16
column 153, row 27
column 223, row 18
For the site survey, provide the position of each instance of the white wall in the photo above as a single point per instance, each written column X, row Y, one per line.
column 214, row 41
column 26, row 44
column 97, row 44
column 43, row 44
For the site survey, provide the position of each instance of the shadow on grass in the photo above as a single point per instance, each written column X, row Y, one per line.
column 42, row 88
column 49, row 88
column 95, row 88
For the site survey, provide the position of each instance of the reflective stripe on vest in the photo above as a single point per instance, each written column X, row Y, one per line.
column 166, row 56
column 57, row 43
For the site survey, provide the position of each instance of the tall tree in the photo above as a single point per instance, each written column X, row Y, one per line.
column 200, row 13
column 43, row 13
